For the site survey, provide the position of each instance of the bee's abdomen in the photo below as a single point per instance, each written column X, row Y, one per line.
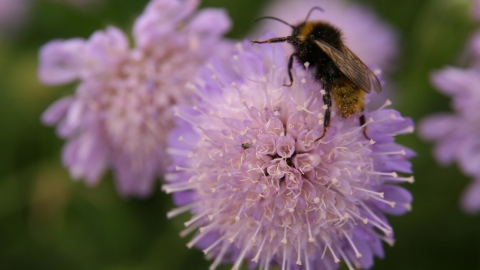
column 347, row 96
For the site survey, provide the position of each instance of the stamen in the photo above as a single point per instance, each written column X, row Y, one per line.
column 197, row 238
column 401, row 179
column 180, row 210
column 310, row 237
column 195, row 219
column 364, row 220
column 178, row 152
column 187, row 119
column 345, row 258
column 307, row 261
column 255, row 259
column 214, row 77
column 360, row 128
column 231, row 239
column 170, row 177
column 369, row 211
column 386, row 104
column 335, row 258
column 407, row 130
column 178, row 168
column 401, row 152
column 207, row 250
column 407, row 206
column 284, row 240
column 215, row 189
column 357, row 253
column 381, row 227
column 188, row 230
column 387, row 240
column 284, row 260
column 392, row 174
column 237, row 218
column 265, row 90
column 392, row 204
column 239, row 260
column 389, row 118
column 299, row 261
column 267, row 262
column 380, row 194
column 210, row 217
column 337, row 212
column 177, row 187
column 256, row 232
column 220, row 256
column 208, row 227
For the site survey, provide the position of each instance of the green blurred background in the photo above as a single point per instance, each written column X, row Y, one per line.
column 48, row 221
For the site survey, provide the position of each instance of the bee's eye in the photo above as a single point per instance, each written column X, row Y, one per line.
column 312, row 36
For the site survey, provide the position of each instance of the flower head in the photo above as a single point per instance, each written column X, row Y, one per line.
column 260, row 185
column 475, row 9
column 119, row 115
column 12, row 15
column 456, row 135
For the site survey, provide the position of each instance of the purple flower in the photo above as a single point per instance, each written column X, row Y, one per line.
column 475, row 10
column 456, row 135
column 120, row 114
column 12, row 15
column 262, row 189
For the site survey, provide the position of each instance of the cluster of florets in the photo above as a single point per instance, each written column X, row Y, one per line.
column 260, row 184
column 456, row 134
column 120, row 113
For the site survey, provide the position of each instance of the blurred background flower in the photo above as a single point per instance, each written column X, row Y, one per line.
column 120, row 113
column 13, row 14
column 456, row 135
column 48, row 221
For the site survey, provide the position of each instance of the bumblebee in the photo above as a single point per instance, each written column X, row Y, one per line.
column 344, row 77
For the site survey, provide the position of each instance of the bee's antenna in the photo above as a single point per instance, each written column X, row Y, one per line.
column 311, row 10
column 276, row 19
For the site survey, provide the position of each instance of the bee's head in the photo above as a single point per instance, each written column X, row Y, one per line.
column 302, row 30
column 298, row 29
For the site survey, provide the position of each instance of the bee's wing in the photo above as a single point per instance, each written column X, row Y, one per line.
column 352, row 67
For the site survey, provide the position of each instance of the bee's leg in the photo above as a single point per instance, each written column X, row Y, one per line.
column 362, row 122
column 326, row 122
column 290, row 64
column 275, row 40
column 290, row 61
